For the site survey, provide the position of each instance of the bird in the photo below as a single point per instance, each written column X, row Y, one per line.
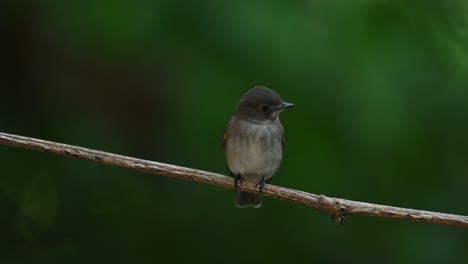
column 254, row 142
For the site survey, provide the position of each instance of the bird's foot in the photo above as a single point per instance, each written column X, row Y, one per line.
column 261, row 184
column 237, row 180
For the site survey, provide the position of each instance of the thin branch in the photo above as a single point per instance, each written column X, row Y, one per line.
column 337, row 208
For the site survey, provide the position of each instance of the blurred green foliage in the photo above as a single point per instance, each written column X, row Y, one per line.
column 381, row 89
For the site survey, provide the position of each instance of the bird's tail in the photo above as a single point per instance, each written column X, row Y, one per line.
column 245, row 199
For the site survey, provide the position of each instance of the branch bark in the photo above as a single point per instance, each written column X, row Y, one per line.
column 335, row 207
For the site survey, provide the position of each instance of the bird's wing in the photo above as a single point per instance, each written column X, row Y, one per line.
column 223, row 141
column 285, row 140
column 225, row 132
column 224, row 138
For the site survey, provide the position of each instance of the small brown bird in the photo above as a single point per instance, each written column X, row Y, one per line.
column 254, row 141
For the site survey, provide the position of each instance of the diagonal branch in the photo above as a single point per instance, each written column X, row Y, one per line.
column 337, row 208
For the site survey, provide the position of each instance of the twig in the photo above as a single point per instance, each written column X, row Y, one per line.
column 337, row 208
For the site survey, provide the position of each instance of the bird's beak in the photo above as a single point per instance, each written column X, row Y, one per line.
column 284, row 106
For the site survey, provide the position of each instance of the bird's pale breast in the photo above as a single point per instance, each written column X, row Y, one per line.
column 254, row 149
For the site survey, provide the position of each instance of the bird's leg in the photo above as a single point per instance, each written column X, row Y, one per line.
column 237, row 179
column 261, row 184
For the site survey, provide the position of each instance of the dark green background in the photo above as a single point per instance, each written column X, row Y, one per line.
column 381, row 89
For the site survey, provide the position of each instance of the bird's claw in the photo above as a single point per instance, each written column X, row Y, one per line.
column 261, row 184
column 237, row 180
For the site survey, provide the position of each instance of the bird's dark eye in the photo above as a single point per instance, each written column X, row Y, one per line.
column 264, row 108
